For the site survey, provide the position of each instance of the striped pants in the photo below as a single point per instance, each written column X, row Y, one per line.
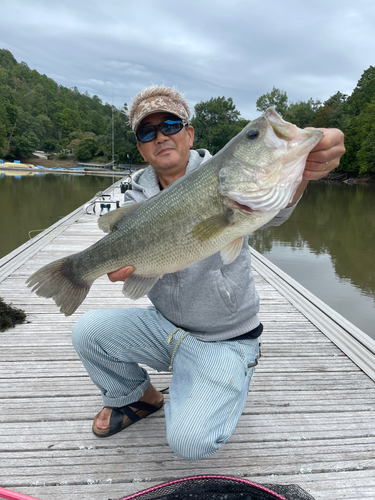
column 210, row 380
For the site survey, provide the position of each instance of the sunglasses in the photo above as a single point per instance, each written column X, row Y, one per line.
column 167, row 127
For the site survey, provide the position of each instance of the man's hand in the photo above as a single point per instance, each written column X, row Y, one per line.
column 326, row 154
column 121, row 274
column 322, row 159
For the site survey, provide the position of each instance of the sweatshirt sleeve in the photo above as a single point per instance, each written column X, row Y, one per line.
column 281, row 217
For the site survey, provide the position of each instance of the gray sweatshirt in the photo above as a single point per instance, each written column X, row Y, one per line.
column 211, row 300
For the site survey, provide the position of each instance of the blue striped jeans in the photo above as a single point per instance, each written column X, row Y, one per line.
column 210, row 380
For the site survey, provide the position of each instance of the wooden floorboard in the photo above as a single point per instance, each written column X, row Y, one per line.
column 308, row 420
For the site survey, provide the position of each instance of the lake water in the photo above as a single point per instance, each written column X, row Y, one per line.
column 34, row 202
column 327, row 245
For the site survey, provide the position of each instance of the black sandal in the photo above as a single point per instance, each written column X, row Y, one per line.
column 116, row 422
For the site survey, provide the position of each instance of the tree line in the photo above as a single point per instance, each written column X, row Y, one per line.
column 36, row 113
column 217, row 120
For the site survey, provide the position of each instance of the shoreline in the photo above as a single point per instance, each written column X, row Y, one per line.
column 344, row 177
column 348, row 178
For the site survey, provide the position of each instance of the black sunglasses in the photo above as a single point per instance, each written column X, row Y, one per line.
column 167, row 127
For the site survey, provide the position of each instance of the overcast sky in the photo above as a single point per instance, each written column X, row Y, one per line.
column 205, row 48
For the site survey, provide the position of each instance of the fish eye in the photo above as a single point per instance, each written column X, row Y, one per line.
column 252, row 134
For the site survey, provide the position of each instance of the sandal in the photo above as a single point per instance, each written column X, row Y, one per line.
column 116, row 422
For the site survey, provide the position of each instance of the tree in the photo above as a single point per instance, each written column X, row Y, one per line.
column 7, row 60
column 69, row 120
column 94, row 122
column 86, row 149
column 333, row 113
column 215, row 122
column 23, row 146
column 30, row 102
column 363, row 93
column 302, row 113
column 358, row 122
column 3, row 132
column 277, row 98
column 49, row 145
column 365, row 125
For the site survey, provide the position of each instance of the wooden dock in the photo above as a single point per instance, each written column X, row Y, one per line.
column 309, row 417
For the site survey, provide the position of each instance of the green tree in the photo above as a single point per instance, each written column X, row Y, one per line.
column 22, row 146
column 50, row 145
column 7, row 60
column 365, row 123
column 124, row 145
column 86, row 149
column 358, row 123
column 95, row 123
column 3, row 131
column 333, row 113
column 215, row 122
column 363, row 93
column 33, row 103
column 302, row 113
column 277, row 98
column 69, row 120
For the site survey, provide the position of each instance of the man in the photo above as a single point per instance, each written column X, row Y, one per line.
column 203, row 325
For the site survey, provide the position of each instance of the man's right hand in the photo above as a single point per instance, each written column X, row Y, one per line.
column 121, row 274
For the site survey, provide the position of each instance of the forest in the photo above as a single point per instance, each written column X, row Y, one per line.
column 36, row 113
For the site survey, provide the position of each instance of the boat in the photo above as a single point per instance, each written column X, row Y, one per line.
column 17, row 166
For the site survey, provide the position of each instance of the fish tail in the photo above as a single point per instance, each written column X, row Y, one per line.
column 57, row 281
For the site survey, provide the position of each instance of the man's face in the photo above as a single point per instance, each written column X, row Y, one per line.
column 166, row 152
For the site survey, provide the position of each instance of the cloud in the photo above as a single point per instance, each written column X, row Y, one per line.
column 239, row 49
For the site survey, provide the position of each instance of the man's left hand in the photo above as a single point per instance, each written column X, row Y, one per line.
column 121, row 274
column 326, row 154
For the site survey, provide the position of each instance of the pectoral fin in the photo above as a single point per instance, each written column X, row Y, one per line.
column 107, row 221
column 136, row 287
column 229, row 253
column 213, row 226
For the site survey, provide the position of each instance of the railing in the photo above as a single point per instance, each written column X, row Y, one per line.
column 357, row 345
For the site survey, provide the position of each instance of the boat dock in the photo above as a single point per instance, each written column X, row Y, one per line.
column 39, row 170
column 309, row 417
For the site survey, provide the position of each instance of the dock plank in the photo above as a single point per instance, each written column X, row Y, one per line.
column 308, row 418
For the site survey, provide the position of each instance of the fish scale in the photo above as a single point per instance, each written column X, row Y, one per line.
column 210, row 210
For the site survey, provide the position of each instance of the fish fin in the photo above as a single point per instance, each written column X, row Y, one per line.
column 230, row 253
column 213, row 226
column 55, row 281
column 107, row 221
column 136, row 287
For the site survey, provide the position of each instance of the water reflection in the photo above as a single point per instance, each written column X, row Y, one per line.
column 327, row 244
column 333, row 220
column 31, row 202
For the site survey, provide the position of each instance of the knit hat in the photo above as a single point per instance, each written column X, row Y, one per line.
column 156, row 99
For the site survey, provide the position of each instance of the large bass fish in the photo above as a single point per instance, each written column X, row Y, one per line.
column 210, row 210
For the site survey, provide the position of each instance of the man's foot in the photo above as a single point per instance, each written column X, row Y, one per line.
column 109, row 421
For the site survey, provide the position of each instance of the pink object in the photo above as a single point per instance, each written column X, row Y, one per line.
column 12, row 495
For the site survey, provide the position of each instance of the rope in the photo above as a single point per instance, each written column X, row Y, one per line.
column 175, row 350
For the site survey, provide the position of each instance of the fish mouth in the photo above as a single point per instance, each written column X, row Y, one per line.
column 243, row 208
